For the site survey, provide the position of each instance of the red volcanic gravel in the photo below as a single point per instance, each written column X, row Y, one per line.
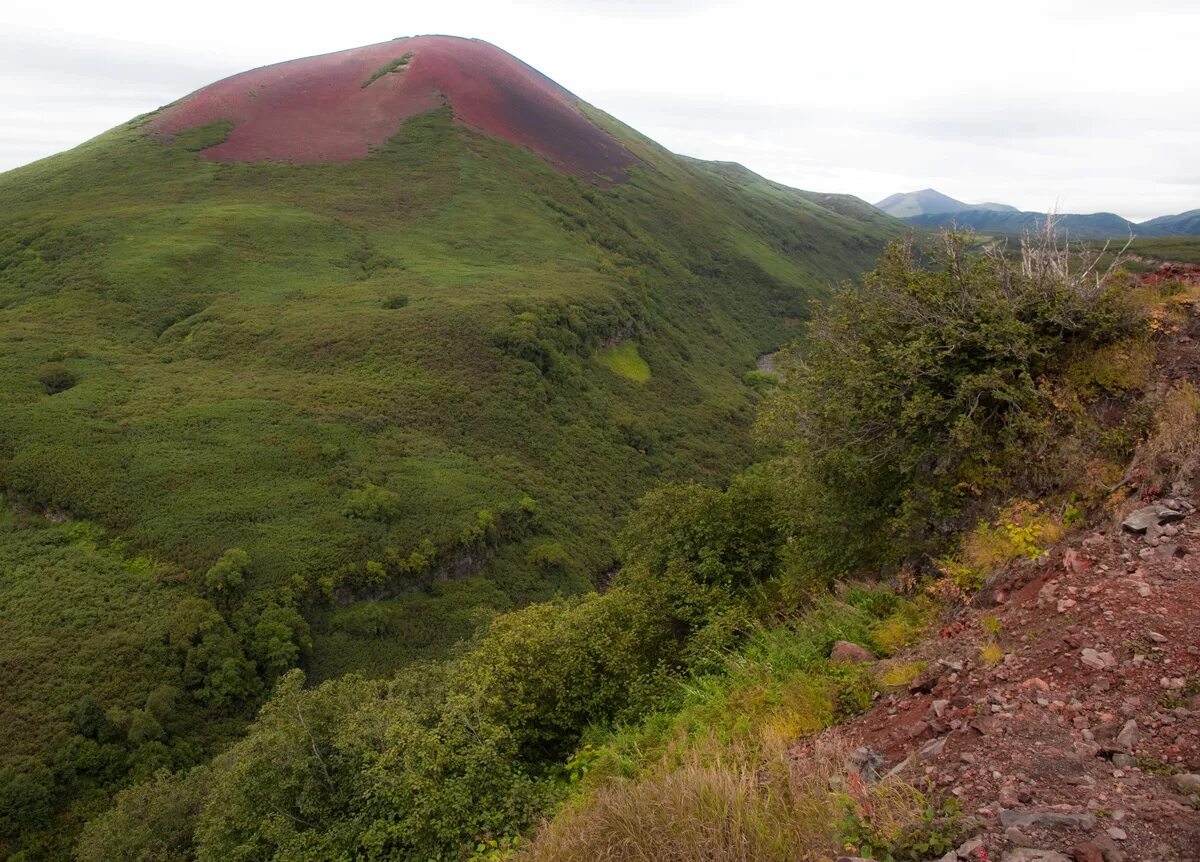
column 316, row 109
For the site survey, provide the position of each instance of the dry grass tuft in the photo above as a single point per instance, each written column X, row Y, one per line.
column 1172, row 452
column 755, row 805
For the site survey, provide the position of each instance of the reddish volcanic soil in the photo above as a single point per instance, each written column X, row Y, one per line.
column 316, row 109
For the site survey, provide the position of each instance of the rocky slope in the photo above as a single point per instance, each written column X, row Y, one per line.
column 1083, row 741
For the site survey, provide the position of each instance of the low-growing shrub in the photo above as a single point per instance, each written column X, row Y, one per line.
column 56, row 377
column 1021, row 531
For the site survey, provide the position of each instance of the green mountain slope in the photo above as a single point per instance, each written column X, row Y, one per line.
column 414, row 388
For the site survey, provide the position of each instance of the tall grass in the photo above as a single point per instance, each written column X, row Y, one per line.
column 731, row 803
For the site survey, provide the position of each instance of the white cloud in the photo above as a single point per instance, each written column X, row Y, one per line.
column 1088, row 104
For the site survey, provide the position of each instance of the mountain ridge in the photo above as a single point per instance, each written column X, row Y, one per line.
column 930, row 208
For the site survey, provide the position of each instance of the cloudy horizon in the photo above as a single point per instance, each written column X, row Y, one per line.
column 1079, row 107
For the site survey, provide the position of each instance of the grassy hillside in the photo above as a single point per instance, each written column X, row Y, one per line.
column 659, row 718
column 415, row 389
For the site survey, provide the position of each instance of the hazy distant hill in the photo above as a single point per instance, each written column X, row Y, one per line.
column 1183, row 224
column 931, row 209
column 1090, row 226
column 931, row 201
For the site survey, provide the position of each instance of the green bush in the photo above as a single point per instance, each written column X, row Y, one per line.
column 155, row 820
column 56, row 377
column 921, row 397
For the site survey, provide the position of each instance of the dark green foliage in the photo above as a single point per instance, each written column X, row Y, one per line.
column 397, row 300
column 927, row 395
column 227, row 576
column 726, row 538
column 150, row 822
column 939, row 831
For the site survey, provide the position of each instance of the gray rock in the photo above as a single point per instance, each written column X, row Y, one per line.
column 866, row 762
column 1015, row 836
column 1128, row 736
column 1028, row 854
column 1097, row 660
column 846, row 651
column 967, row 849
column 931, row 749
column 1046, row 820
column 1141, row 520
column 1186, row 783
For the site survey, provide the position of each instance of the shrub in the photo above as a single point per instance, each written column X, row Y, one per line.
column 728, row 538
column 1021, row 531
column 373, row 503
column 226, row 577
column 991, row 653
column 56, row 377
column 921, row 397
column 154, row 820
column 397, row 300
column 547, row 555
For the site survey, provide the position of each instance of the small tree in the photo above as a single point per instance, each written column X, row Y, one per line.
column 227, row 576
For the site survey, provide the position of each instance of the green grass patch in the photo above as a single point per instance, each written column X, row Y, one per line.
column 394, row 66
column 625, row 361
column 202, row 137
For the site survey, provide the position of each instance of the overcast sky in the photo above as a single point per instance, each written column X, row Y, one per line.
column 1083, row 106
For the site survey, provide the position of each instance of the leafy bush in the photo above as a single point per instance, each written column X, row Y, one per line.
column 1022, row 531
column 547, row 555
column 155, row 820
column 880, row 825
column 373, row 503
column 922, row 398
column 729, row 538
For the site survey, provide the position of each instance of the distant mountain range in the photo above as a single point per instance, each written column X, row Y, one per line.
column 930, row 208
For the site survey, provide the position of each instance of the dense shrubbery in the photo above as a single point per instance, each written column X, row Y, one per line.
column 935, row 392
column 449, row 754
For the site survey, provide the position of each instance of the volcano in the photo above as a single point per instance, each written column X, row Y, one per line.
column 338, row 107
column 400, row 334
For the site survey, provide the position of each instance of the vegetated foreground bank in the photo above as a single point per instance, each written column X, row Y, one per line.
column 337, row 413
column 654, row 720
